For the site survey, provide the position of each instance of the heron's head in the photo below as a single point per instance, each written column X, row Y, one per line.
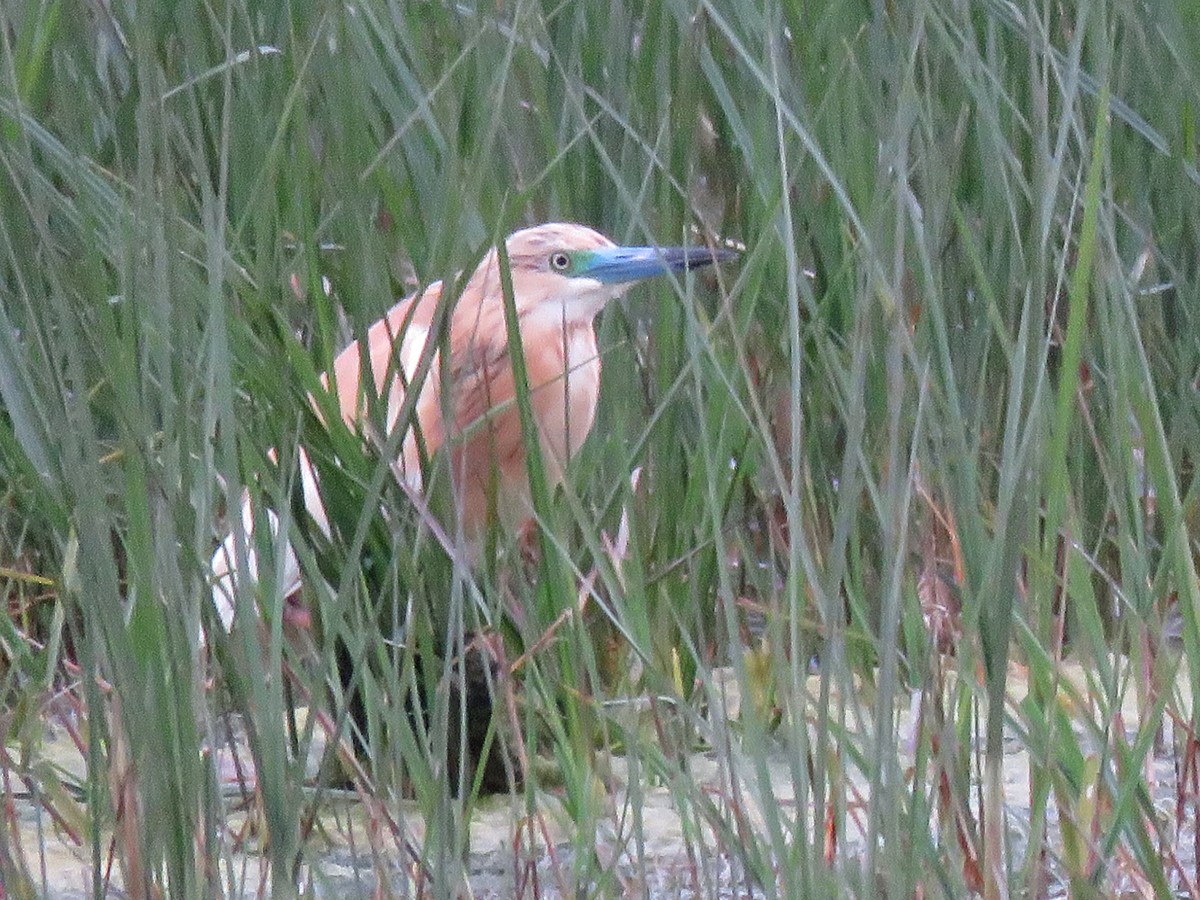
column 571, row 271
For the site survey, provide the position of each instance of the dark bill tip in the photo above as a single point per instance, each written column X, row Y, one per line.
column 620, row 264
column 681, row 259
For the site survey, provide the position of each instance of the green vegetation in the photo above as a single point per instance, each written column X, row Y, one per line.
column 915, row 476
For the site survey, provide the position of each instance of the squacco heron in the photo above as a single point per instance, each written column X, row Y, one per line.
column 562, row 276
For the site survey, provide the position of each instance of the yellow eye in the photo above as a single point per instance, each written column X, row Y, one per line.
column 560, row 262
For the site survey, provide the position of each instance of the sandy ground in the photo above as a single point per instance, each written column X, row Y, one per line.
column 651, row 847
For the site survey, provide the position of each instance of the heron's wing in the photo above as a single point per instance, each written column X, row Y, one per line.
column 225, row 567
column 395, row 345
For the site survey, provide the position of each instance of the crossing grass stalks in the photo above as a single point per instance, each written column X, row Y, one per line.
column 899, row 505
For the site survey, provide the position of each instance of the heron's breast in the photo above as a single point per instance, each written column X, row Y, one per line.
column 565, row 374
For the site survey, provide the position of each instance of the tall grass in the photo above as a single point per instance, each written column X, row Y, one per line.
column 902, row 500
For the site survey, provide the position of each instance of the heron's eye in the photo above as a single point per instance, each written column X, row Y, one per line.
column 560, row 261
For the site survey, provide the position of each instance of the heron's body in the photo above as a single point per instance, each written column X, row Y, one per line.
column 562, row 276
column 479, row 420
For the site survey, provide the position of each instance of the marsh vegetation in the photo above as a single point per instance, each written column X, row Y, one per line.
column 903, row 495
